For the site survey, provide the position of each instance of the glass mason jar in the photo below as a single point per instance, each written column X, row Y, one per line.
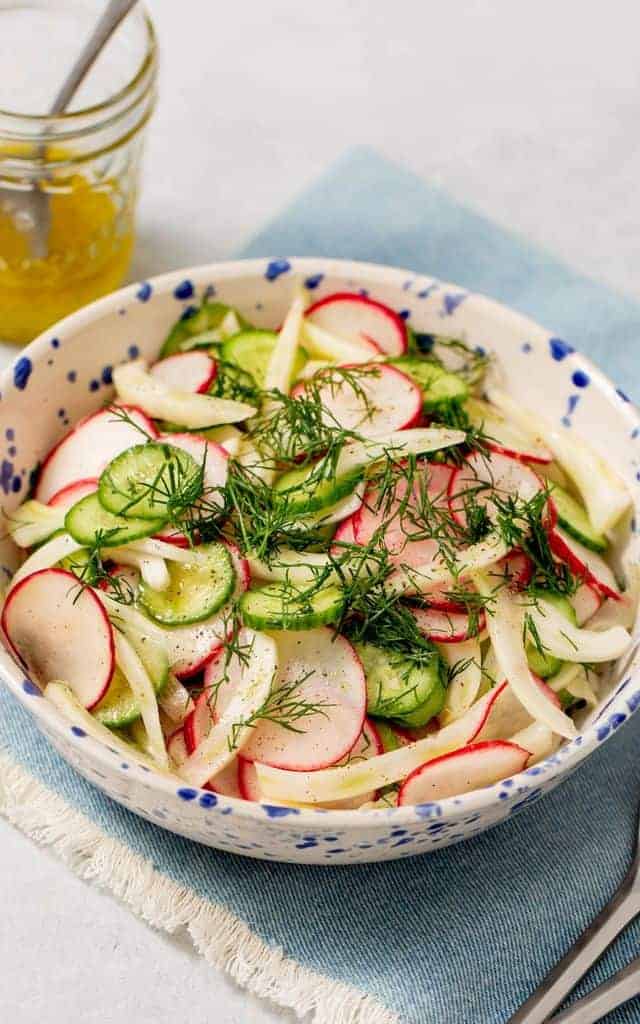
column 74, row 175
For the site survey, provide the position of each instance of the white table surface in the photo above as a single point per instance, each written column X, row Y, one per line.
column 530, row 112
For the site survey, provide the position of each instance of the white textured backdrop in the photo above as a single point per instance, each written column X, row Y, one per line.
column 529, row 112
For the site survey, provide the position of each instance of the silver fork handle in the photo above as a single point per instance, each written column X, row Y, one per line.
column 623, row 986
column 553, row 990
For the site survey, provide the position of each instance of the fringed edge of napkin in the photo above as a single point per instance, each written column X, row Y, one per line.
column 218, row 935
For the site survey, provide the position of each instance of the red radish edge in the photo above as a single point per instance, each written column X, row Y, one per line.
column 447, row 627
column 384, row 369
column 473, row 748
column 61, row 497
column 398, row 322
column 210, row 370
column 149, row 426
column 564, row 550
column 73, row 580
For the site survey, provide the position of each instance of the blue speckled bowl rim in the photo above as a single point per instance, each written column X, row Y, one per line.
column 526, row 783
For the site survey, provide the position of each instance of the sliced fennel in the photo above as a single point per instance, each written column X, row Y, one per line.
column 465, row 661
column 136, row 386
column 506, row 625
column 603, row 492
column 570, row 643
column 144, row 693
column 217, row 749
column 279, row 373
column 62, row 697
column 48, row 555
column 33, row 522
column 175, row 700
column 423, row 578
column 322, row 343
column 153, row 570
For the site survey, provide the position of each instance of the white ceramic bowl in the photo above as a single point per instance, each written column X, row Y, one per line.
column 66, row 374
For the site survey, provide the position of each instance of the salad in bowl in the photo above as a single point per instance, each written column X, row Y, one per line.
column 329, row 563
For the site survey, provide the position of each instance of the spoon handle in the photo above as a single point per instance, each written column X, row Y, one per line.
column 114, row 13
column 560, row 981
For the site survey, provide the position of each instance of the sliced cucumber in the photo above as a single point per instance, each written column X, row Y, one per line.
column 541, row 662
column 77, row 564
column 142, row 481
column 303, row 491
column 400, row 689
column 252, row 350
column 118, row 708
column 388, row 736
column 88, row 522
column 575, row 519
column 197, row 589
column 436, row 383
column 282, row 606
column 208, row 317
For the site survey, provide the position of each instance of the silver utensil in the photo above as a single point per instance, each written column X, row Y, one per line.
column 30, row 209
column 562, row 979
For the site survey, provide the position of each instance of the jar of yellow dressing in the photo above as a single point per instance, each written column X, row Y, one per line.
column 77, row 173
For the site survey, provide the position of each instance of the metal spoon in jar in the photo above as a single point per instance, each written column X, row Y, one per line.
column 31, row 208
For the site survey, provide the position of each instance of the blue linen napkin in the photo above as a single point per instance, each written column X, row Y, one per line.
column 463, row 935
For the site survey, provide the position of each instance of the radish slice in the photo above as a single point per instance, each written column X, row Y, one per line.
column 252, row 681
column 344, row 535
column 323, row 670
column 570, row 643
column 461, row 771
column 464, row 661
column 68, row 496
column 385, row 400
column 507, row 714
column 89, row 447
column 352, row 780
column 516, row 569
column 401, row 514
column 506, row 624
column 583, row 562
column 603, row 492
column 448, row 627
column 227, row 781
column 585, row 602
column 186, row 371
column 248, row 779
column 142, row 688
column 505, row 437
column 359, row 319
column 136, row 385
column 63, row 698
column 177, row 748
column 320, row 342
column 60, row 631
column 482, row 476
column 279, row 372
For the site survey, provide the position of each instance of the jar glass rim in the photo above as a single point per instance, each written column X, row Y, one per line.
column 67, row 118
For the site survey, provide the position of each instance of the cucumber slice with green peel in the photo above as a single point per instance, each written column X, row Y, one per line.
column 282, row 606
column 197, row 589
column 89, row 522
column 144, row 480
column 235, row 382
column 436, row 383
column 252, row 351
column 399, row 688
column 304, row 491
column 542, row 662
column 77, row 564
column 208, row 317
column 575, row 520
column 118, row 708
